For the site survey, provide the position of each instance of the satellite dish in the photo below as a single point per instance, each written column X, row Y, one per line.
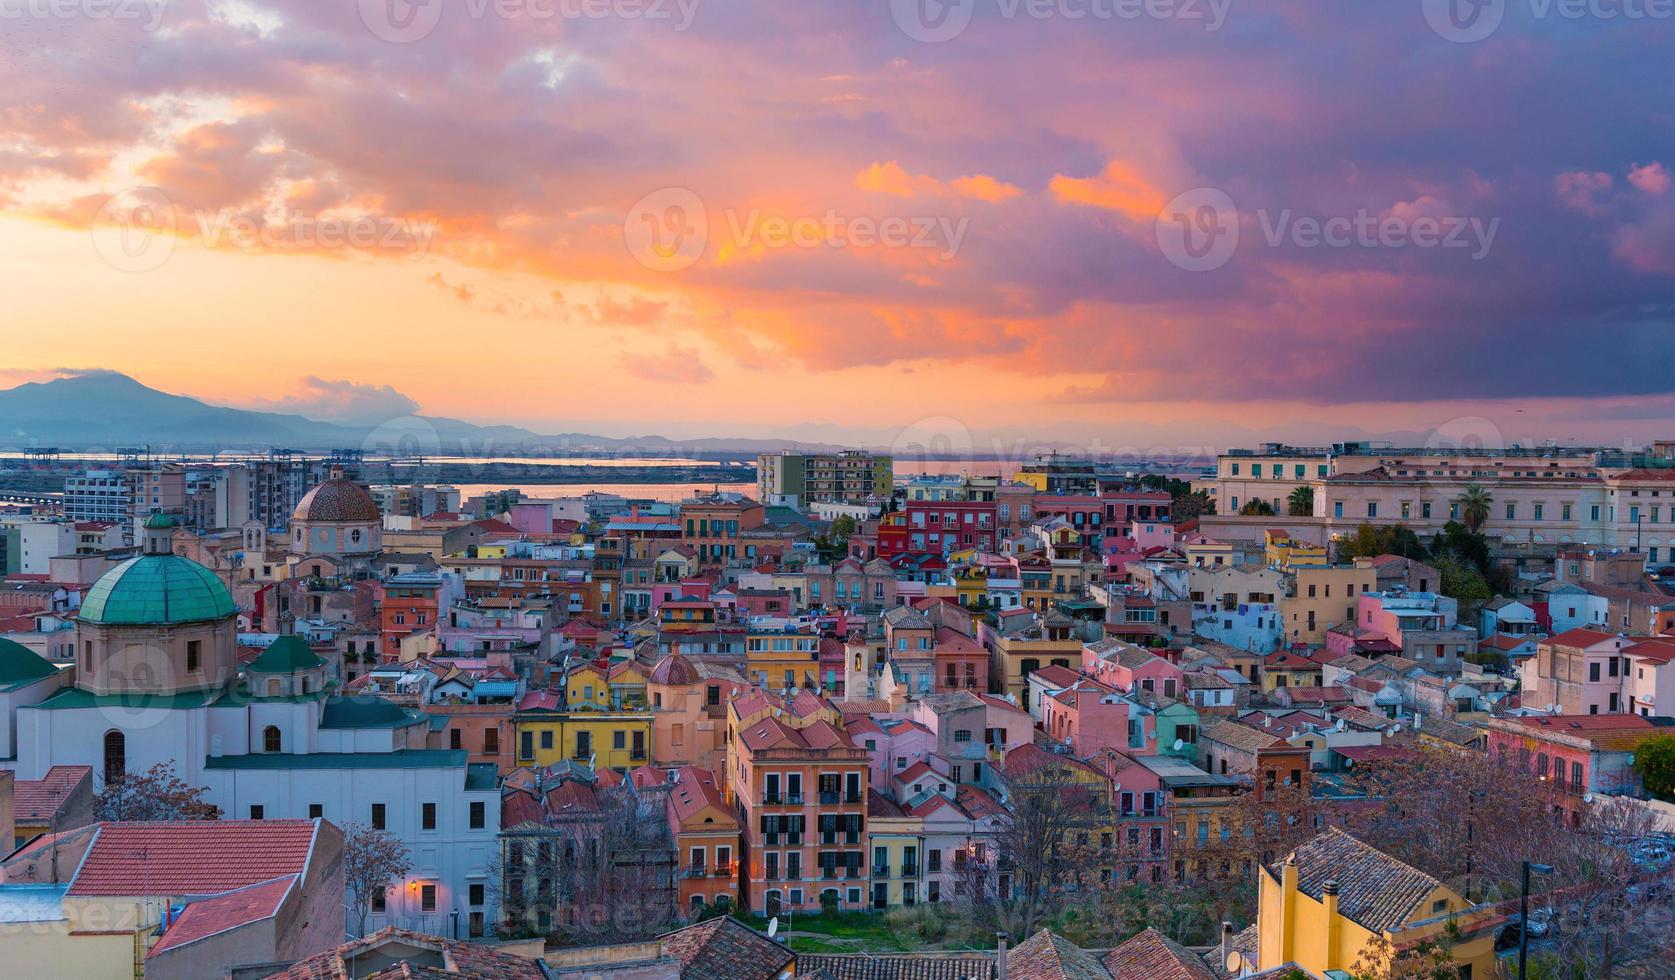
column 1179, row 744
column 773, row 927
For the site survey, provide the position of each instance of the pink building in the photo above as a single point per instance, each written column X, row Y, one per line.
column 1125, row 667
column 1577, row 755
column 1087, row 716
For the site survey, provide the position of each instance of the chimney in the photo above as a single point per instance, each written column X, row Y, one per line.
column 1000, row 956
column 1226, row 942
column 1288, row 909
column 1334, row 924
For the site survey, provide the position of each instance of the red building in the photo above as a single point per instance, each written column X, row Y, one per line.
column 939, row 527
column 410, row 605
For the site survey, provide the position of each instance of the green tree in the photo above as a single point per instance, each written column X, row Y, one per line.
column 1463, row 543
column 1300, row 503
column 1257, row 508
column 1191, row 506
column 1369, row 542
column 1474, row 504
column 1654, row 760
column 1464, row 583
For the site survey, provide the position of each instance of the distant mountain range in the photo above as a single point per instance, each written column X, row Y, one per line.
column 107, row 410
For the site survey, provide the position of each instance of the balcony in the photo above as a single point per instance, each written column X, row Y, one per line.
column 695, row 871
column 910, row 871
column 829, row 799
column 881, row 871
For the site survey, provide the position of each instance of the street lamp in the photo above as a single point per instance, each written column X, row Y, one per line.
column 1524, row 914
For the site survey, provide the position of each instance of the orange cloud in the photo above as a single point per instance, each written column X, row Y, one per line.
column 1118, row 188
column 891, row 178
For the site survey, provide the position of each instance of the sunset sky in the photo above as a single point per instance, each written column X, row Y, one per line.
column 524, row 181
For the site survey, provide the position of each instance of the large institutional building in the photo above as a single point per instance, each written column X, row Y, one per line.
column 157, row 680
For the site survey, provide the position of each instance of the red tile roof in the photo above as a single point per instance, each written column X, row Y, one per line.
column 39, row 799
column 1580, row 638
column 192, row 857
column 1152, row 956
column 229, row 910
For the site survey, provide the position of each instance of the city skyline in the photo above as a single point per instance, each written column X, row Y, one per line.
column 460, row 212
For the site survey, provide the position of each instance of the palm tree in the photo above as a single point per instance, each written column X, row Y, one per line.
column 1257, row 508
column 1474, row 504
column 1300, row 503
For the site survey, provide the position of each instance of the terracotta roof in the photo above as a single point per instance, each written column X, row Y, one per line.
column 1053, row 675
column 693, row 790
column 1240, row 736
column 897, row 966
column 229, row 910
column 39, row 799
column 1375, row 890
column 337, row 500
column 1579, row 638
column 726, row 949
column 1047, row 956
column 1152, row 956
column 416, row 955
column 192, row 857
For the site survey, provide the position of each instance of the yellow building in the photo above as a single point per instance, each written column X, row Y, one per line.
column 897, row 855
column 619, row 740
column 1322, row 906
column 1320, row 597
column 1281, row 549
column 783, row 658
column 1048, row 640
column 587, row 686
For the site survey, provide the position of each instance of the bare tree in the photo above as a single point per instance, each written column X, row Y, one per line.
column 1046, row 846
column 1614, row 905
column 372, row 861
column 156, row 794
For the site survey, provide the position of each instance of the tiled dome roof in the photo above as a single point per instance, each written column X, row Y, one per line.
column 157, row 590
column 337, row 500
column 674, row 669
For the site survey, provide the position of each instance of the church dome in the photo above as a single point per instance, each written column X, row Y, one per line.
column 674, row 669
column 337, row 501
column 157, row 590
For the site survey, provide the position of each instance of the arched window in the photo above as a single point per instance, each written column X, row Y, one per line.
column 697, row 904
column 116, row 755
column 271, row 741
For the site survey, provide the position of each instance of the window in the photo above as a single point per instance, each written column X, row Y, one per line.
column 194, row 650
column 491, row 741
column 116, row 755
column 316, row 811
column 547, row 739
column 256, row 811
column 378, row 901
column 1372, row 508
column 377, row 816
column 427, row 816
column 427, row 898
column 474, row 893
column 271, row 740
column 962, row 735
column 477, row 817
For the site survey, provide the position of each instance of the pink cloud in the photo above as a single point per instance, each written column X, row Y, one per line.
column 1653, row 178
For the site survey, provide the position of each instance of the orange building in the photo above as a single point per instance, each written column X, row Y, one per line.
column 706, row 837
column 483, row 731
column 711, row 526
column 409, row 606
column 688, row 701
column 800, row 784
